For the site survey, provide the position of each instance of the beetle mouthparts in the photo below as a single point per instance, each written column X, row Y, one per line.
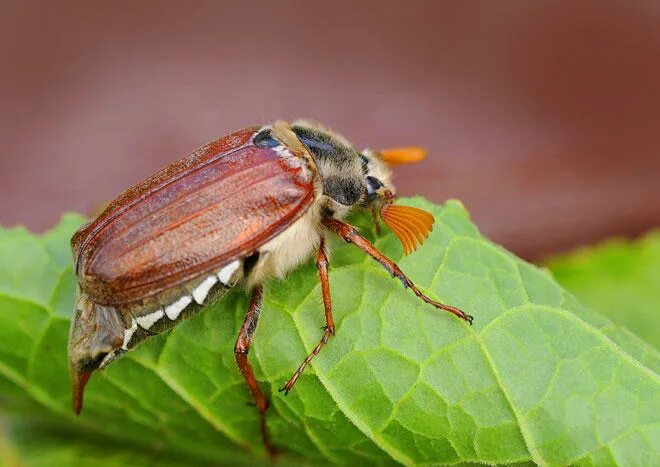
column 78, row 382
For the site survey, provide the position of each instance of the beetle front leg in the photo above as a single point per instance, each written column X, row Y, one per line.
column 322, row 266
column 351, row 235
column 241, row 349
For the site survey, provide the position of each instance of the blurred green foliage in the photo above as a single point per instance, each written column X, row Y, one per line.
column 620, row 279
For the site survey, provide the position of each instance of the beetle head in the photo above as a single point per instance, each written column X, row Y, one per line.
column 411, row 225
column 95, row 338
column 347, row 174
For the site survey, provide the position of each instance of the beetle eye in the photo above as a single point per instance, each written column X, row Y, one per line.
column 373, row 184
column 265, row 139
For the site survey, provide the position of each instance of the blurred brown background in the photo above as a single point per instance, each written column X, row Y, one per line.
column 541, row 116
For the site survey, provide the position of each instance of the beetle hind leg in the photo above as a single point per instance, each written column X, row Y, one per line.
column 241, row 349
column 322, row 266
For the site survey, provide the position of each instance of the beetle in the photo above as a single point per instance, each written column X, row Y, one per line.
column 247, row 207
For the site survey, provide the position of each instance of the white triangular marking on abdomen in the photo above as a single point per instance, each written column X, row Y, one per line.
column 128, row 334
column 149, row 320
column 202, row 290
column 225, row 273
column 174, row 310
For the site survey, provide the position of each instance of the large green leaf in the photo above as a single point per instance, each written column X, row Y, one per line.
column 538, row 378
column 32, row 444
column 620, row 279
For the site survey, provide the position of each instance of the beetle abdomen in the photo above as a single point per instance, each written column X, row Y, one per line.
column 111, row 331
column 173, row 230
column 164, row 311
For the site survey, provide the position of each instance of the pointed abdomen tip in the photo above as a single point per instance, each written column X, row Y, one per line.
column 78, row 383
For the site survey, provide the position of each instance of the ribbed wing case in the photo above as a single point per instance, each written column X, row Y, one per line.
column 217, row 204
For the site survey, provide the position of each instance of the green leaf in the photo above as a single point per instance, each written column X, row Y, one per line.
column 30, row 444
column 619, row 279
column 538, row 378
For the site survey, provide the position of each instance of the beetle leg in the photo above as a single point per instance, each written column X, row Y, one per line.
column 322, row 266
column 351, row 235
column 241, row 349
column 374, row 216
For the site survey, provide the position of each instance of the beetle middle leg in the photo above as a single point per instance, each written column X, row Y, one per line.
column 351, row 235
column 241, row 349
column 322, row 266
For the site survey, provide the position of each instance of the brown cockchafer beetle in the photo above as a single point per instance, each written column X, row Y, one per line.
column 238, row 211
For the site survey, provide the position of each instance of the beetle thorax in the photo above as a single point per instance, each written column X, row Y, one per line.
column 338, row 164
